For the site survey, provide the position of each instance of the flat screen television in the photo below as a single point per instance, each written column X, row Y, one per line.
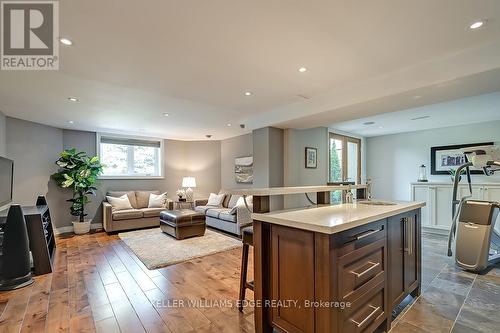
column 6, row 180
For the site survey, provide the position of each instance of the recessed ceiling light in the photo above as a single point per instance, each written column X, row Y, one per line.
column 302, row 69
column 421, row 117
column 228, row 125
column 417, row 97
column 166, row 114
column 368, row 123
column 248, row 93
column 73, row 99
column 476, row 25
column 71, row 122
column 381, row 127
column 66, row 41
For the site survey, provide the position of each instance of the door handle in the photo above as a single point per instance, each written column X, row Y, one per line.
column 408, row 237
column 405, row 235
column 365, row 234
column 360, row 324
column 373, row 266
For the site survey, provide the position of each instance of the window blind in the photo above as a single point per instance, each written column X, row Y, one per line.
column 130, row 142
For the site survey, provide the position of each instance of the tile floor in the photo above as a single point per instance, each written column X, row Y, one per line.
column 452, row 300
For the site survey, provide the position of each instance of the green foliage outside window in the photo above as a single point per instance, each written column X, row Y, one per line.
column 335, row 171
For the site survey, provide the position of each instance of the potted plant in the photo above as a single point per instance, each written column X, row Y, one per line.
column 453, row 172
column 78, row 172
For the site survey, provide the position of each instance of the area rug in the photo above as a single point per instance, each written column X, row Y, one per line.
column 156, row 249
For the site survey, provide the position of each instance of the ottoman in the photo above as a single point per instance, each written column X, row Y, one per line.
column 182, row 223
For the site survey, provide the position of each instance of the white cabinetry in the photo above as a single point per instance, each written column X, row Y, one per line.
column 492, row 193
column 437, row 196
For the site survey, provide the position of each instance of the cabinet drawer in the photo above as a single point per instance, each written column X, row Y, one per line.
column 362, row 270
column 355, row 238
column 366, row 314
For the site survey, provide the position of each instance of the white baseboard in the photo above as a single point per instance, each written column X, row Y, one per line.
column 69, row 229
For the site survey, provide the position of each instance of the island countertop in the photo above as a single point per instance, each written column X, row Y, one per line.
column 330, row 219
column 265, row 191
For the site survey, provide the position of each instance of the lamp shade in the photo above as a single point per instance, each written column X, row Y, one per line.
column 188, row 182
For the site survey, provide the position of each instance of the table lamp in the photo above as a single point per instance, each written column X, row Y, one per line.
column 188, row 182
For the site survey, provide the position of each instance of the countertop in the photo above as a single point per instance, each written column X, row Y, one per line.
column 293, row 189
column 330, row 219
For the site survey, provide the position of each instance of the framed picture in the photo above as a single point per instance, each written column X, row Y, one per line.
column 445, row 158
column 243, row 170
column 311, row 158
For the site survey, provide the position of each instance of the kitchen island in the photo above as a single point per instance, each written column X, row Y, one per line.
column 335, row 268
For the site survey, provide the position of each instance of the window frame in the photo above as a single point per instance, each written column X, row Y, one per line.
column 345, row 139
column 130, row 161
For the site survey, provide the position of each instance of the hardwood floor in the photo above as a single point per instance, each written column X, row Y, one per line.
column 99, row 285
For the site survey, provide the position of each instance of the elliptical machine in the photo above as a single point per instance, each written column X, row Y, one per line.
column 473, row 224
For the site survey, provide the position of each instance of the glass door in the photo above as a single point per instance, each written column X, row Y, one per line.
column 353, row 165
column 345, row 162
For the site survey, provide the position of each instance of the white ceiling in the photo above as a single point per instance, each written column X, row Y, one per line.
column 462, row 111
column 133, row 60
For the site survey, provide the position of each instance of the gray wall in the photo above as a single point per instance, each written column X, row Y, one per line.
column 3, row 135
column 268, row 143
column 296, row 174
column 276, row 157
column 393, row 160
column 279, row 159
column 232, row 148
column 34, row 149
column 261, row 157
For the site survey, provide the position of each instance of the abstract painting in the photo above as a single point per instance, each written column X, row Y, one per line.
column 243, row 169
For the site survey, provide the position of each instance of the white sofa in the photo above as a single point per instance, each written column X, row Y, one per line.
column 221, row 217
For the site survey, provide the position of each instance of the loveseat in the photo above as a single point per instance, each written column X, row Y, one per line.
column 224, row 217
column 139, row 217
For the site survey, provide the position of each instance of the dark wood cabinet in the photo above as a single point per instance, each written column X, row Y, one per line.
column 371, row 267
column 292, row 255
column 338, row 281
column 404, row 246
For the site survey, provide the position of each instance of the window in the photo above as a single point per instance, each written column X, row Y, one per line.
column 130, row 157
column 345, row 162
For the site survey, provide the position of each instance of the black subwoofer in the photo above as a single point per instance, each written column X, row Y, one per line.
column 15, row 267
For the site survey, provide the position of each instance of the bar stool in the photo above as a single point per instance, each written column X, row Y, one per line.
column 247, row 238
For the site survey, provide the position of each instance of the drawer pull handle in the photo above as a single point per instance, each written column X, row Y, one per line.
column 366, row 234
column 408, row 226
column 373, row 265
column 375, row 310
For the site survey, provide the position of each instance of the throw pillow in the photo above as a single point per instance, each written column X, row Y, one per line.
column 233, row 201
column 241, row 203
column 215, row 199
column 120, row 203
column 157, row 200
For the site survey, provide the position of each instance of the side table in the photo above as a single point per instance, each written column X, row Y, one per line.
column 183, row 204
